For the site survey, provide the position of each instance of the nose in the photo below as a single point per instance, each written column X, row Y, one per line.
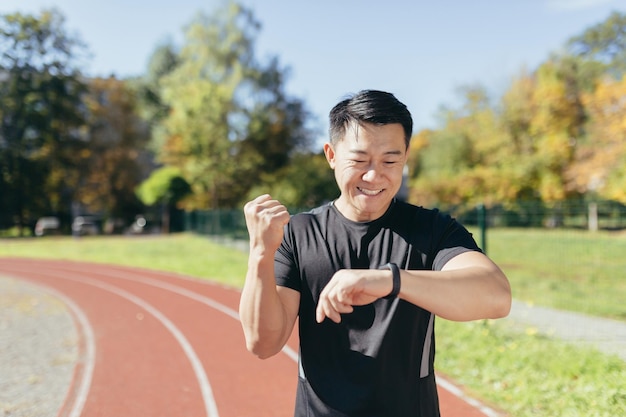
column 371, row 173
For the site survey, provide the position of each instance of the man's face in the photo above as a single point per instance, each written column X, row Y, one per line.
column 368, row 165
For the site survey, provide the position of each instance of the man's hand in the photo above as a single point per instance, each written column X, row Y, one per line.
column 265, row 219
column 352, row 287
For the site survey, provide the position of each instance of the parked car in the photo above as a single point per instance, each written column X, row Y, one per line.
column 113, row 225
column 47, row 226
column 138, row 225
column 85, row 225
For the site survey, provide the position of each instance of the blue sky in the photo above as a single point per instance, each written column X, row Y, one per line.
column 420, row 50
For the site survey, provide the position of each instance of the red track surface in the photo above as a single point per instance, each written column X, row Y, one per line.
column 160, row 344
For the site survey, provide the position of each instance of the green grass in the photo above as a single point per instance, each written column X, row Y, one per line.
column 520, row 372
column 529, row 375
column 566, row 269
column 183, row 253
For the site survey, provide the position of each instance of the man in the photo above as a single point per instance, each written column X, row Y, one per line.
column 365, row 274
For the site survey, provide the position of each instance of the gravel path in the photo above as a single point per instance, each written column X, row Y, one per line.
column 38, row 350
column 608, row 336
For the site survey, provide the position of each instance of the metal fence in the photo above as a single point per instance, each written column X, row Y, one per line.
column 594, row 215
column 223, row 223
column 600, row 215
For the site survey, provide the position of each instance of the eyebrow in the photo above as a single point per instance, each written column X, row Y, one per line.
column 362, row 152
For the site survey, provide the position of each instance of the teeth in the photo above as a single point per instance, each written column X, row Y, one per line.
column 370, row 192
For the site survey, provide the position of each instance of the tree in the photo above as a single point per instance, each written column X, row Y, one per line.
column 166, row 187
column 517, row 160
column 229, row 120
column 599, row 167
column 40, row 115
column 116, row 160
column 557, row 132
column 151, row 106
column 200, row 94
column 499, row 154
column 461, row 163
column 555, row 125
column 539, row 119
column 603, row 44
column 275, row 134
column 600, row 161
column 305, row 183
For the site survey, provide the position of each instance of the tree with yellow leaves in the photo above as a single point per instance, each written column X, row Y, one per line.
column 600, row 163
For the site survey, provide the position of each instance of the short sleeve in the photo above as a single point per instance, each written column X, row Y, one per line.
column 285, row 268
column 454, row 240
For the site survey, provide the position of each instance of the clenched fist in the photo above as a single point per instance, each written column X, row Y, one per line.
column 265, row 220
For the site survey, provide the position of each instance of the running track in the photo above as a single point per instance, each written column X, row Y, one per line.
column 160, row 344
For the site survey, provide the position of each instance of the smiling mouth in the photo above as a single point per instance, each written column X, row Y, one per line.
column 369, row 192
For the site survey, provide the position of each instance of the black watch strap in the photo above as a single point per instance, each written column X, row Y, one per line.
column 395, row 271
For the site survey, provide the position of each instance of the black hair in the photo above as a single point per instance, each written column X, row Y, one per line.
column 369, row 106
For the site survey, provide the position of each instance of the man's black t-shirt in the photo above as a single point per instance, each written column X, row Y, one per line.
column 379, row 360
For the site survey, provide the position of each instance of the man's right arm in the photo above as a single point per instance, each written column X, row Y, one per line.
column 267, row 312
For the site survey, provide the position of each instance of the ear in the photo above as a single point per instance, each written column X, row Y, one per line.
column 330, row 154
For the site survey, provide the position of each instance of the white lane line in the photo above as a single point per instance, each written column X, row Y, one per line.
column 192, row 295
column 456, row 391
column 443, row 383
column 89, row 355
column 203, row 381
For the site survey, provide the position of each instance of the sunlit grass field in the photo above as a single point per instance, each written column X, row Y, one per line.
column 520, row 372
column 186, row 254
column 567, row 269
